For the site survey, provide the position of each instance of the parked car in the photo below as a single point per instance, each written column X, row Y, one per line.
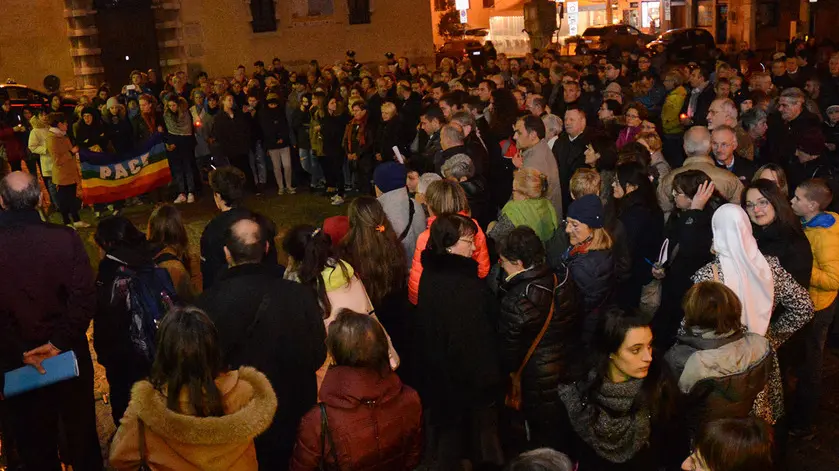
column 611, row 39
column 684, row 44
column 459, row 49
column 22, row 96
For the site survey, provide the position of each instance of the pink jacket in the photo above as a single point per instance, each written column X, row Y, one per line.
column 481, row 255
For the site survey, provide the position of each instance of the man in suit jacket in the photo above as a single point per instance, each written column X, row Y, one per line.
column 699, row 98
column 724, row 145
column 569, row 150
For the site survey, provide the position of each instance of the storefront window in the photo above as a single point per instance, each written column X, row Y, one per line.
column 650, row 14
column 706, row 14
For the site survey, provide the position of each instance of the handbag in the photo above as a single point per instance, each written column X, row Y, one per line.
column 326, row 437
column 513, row 398
column 144, row 465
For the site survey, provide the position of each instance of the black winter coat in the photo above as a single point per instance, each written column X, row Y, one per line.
column 274, row 125
column 285, row 340
column 388, row 135
column 233, row 135
column 570, row 156
column 525, row 303
column 690, row 232
column 455, row 336
column 477, row 194
column 94, row 135
column 111, row 322
column 791, row 247
column 409, row 115
column 332, row 129
column 644, row 227
column 594, row 273
column 300, row 121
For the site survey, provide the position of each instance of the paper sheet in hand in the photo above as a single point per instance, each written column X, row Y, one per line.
column 398, row 155
column 58, row 368
column 662, row 254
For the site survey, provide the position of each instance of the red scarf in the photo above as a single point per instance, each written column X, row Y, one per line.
column 362, row 128
column 581, row 248
column 151, row 121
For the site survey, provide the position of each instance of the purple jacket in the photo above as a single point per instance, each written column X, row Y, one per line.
column 47, row 292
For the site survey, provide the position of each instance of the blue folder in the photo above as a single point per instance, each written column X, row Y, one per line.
column 58, row 368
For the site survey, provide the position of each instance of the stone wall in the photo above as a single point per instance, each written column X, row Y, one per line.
column 216, row 36
column 33, row 42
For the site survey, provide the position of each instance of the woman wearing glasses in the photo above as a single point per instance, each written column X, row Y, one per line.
column 762, row 285
column 634, row 114
column 777, row 230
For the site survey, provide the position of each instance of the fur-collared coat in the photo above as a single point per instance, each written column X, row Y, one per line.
column 186, row 442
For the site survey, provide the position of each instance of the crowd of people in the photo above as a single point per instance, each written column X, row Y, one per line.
column 547, row 263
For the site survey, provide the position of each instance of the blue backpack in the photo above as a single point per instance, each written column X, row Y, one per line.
column 148, row 294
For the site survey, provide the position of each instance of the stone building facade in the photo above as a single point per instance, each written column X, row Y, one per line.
column 61, row 37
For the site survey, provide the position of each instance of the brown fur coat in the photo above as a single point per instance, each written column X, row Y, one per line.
column 185, row 442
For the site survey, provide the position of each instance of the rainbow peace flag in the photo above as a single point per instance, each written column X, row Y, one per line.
column 107, row 177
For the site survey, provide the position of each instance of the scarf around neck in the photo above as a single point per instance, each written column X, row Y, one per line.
column 608, row 420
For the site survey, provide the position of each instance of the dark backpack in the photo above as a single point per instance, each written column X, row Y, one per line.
column 148, row 295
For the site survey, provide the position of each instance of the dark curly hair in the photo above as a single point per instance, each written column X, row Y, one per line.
column 523, row 245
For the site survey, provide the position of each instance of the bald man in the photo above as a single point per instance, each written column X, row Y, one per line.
column 47, row 307
column 271, row 324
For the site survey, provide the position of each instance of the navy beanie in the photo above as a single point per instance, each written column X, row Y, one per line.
column 390, row 176
column 588, row 210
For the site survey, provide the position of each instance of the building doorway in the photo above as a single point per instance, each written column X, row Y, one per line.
column 128, row 39
column 722, row 24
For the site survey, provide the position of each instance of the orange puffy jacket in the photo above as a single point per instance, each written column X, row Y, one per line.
column 481, row 255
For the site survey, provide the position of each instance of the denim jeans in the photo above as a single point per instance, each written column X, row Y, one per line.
column 809, row 388
column 311, row 165
column 348, row 176
column 256, row 158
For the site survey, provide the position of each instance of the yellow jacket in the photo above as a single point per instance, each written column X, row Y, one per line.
column 670, row 122
column 824, row 242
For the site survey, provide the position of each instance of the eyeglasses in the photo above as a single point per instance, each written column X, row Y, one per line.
column 759, row 204
column 467, row 240
column 633, row 116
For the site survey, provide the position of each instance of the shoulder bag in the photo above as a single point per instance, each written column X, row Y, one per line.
column 326, row 437
column 513, row 399
column 141, row 433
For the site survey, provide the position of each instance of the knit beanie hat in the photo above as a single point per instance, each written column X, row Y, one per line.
column 89, row 110
column 112, row 102
column 588, row 210
column 390, row 176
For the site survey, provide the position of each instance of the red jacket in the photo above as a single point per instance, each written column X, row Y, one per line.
column 376, row 423
column 15, row 151
column 481, row 255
